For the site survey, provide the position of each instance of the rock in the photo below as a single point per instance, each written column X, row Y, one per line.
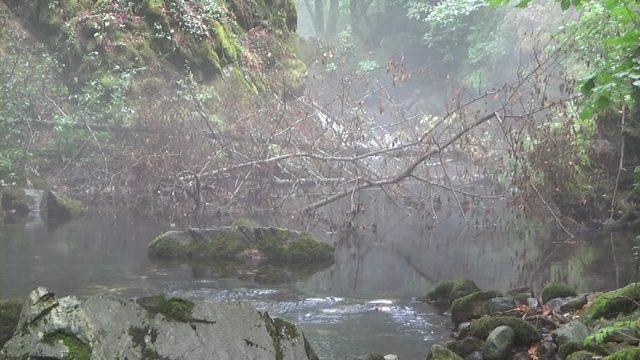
column 568, row 348
column 150, row 328
column 476, row 355
column 447, row 291
column 274, row 245
column 374, row 356
column 623, row 335
column 519, row 290
column 556, row 290
column 547, row 350
column 613, row 303
column 523, row 355
column 498, row 344
column 498, row 305
column 9, row 316
column 626, row 354
column 533, row 303
column 20, row 201
column 470, row 306
column 439, row 352
column 567, row 304
column 573, row 331
column 391, row 357
column 581, row 355
column 462, row 330
column 60, row 206
column 525, row 333
column 465, row 346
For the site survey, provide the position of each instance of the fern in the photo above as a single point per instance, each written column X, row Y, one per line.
column 602, row 334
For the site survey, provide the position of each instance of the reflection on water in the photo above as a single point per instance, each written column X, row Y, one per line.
column 360, row 304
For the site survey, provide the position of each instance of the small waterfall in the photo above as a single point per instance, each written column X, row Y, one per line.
column 34, row 197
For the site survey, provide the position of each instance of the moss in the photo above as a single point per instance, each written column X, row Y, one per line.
column 167, row 247
column 228, row 49
column 286, row 328
column 521, row 298
column 526, row 333
column 153, row 7
column 626, row 354
column 15, row 199
column 226, row 245
column 9, row 316
column 246, row 223
column 448, row 290
column 613, row 303
column 241, row 82
column 470, row 306
column 295, row 75
column 556, row 290
column 61, row 206
column 173, row 308
column 272, row 245
column 439, row 352
column 76, row 348
column 309, row 249
column 581, row 355
column 568, row 348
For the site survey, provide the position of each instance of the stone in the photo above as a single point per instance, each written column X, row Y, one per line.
column 9, row 317
column 522, row 355
column 556, row 290
column 60, row 206
column 525, row 333
column 612, row 303
column 471, row 306
column 243, row 243
column 547, row 350
column 533, row 303
column 19, row 201
column 498, row 305
column 476, row 355
column 498, row 344
column 626, row 354
column 567, row 304
column 519, row 290
column 465, row 346
column 109, row 328
column 623, row 335
column 581, row 355
column 573, row 331
column 391, row 357
column 447, row 291
column 439, row 352
column 462, row 330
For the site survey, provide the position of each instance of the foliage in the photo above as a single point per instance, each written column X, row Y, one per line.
column 602, row 334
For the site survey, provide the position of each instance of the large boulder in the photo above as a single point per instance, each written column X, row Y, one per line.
column 20, row 201
column 446, row 291
column 525, row 333
column 149, row 328
column 471, row 306
column 439, row 352
column 574, row 331
column 243, row 242
column 567, row 304
column 613, row 303
column 556, row 290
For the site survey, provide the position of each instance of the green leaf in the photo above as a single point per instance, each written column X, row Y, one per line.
column 587, row 87
column 601, row 103
column 523, row 4
column 565, row 4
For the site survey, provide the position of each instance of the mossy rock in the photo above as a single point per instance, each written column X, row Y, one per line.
column 439, row 352
column 60, row 206
column 556, row 290
column 9, row 316
column 581, row 355
column 295, row 75
column 448, row 290
column 15, row 200
column 525, row 333
column 76, row 348
column 246, row 223
column 626, row 354
column 470, row 306
column 613, row 303
column 568, row 348
column 374, row 356
column 174, row 308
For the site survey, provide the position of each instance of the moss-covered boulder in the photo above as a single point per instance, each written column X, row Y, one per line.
column 626, row 354
column 466, row 346
column 613, row 303
column 470, row 306
column 242, row 240
column 9, row 316
column 448, row 290
column 581, row 355
column 525, row 333
column 439, row 352
column 556, row 290
column 60, row 206
column 15, row 200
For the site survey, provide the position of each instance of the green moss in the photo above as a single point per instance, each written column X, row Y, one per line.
column 439, row 352
column 9, row 316
column 581, row 355
column 246, row 223
column 556, row 290
column 241, row 82
column 309, row 249
column 295, row 75
column 272, row 245
column 613, row 303
column 286, row 328
column 166, row 247
column 76, row 348
column 173, row 308
column 626, row 354
column 521, row 298
column 224, row 246
column 526, row 333
column 470, row 306
column 568, row 348
column 228, row 49
column 62, row 206
column 448, row 290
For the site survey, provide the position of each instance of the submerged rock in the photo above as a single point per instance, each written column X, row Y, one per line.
column 498, row 344
column 241, row 242
column 149, row 328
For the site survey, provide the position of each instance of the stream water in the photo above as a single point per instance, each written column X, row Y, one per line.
column 363, row 303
